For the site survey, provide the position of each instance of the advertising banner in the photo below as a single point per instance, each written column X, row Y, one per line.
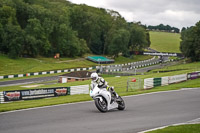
column 35, row 93
column 193, row 75
column 12, row 95
column 156, row 53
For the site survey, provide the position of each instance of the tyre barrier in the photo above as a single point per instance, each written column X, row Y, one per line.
column 153, row 82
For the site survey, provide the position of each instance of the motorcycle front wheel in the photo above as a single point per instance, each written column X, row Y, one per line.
column 101, row 105
column 121, row 103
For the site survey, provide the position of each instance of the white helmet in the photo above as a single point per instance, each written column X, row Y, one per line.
column 94, row 76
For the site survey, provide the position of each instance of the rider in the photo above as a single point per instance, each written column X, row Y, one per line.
column 101, row 83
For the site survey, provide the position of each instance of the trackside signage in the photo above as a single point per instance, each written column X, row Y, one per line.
column 193, row 75
column 160, row 54
column 35, row 94
column 157, row 53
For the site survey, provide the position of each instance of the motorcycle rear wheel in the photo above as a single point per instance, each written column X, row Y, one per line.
column 101, row 106
column 121, row 103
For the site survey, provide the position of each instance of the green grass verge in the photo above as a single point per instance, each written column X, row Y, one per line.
column 190, row 128
column 43, row 102
column 165, row 42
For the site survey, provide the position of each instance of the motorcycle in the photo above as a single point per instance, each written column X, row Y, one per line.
column 105, row 101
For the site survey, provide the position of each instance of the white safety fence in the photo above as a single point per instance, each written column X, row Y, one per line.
column 81, row 89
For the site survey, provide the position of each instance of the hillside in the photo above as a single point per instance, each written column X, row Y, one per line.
column 26, row 65
column 165, row 42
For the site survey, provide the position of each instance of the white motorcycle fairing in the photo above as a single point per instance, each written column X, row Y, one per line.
column 97, row 93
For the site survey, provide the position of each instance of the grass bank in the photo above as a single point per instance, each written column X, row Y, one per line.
column 26, row 65
column 165, row 42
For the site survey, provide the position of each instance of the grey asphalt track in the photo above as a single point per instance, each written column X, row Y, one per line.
column 149, row 68
column 142, row 112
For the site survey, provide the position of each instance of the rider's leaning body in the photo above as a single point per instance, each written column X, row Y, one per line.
column 96, row 80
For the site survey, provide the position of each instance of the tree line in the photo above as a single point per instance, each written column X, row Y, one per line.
column 162, row 27
column 46, row 27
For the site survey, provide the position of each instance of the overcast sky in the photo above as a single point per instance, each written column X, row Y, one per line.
column 176, row 13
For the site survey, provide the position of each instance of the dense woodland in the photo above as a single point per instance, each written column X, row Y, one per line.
column 45, row 27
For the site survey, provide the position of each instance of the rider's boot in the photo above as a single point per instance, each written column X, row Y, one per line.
column 113, row 91
column 116, row 96
column 112, row 100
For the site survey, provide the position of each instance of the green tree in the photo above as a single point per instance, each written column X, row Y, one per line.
column 138, row 38
column 190, row 44
column 11, row 39
column 15, row 36
column 90, row 24
column 35, row 32
column 116, row 22
column 22, row 12
column 148, row 39
column 119, row 43
column 46, row 27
